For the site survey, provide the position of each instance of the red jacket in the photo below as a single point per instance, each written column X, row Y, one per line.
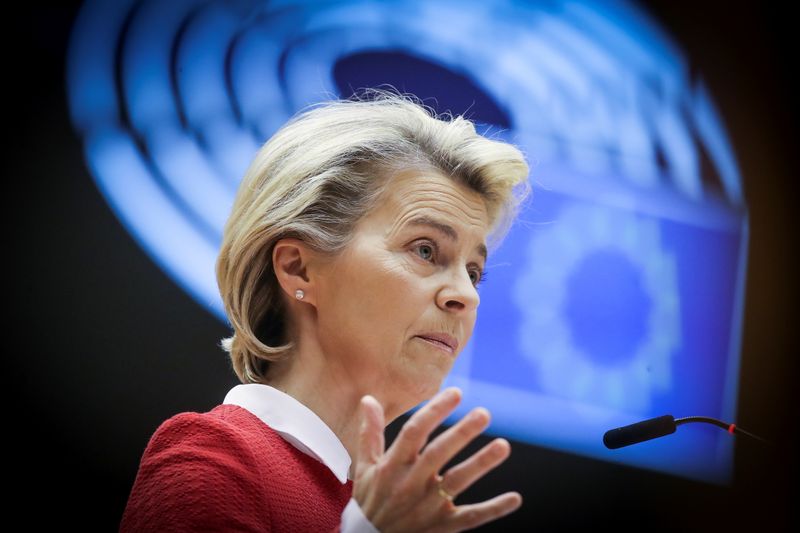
column 226, row 470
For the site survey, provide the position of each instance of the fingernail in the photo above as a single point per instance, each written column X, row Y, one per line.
column 480, row 413
column 502, row 446
column 452, row 393
column 519, row 501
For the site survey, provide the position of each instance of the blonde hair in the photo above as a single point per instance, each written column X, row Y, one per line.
column 314, row 180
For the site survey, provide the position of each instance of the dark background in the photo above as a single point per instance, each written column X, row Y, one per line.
column 104, row 347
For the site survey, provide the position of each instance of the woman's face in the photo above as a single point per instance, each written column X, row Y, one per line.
column 410, row 272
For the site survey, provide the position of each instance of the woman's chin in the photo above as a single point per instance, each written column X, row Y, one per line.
column 417, row 380
column 420, row 390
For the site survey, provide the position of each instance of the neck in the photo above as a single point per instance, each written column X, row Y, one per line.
column 324, row 387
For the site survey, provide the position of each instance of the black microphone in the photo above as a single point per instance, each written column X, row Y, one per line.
column 660, row 426
column 639, row 432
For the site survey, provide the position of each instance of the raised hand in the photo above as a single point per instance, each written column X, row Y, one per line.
column 401, row 489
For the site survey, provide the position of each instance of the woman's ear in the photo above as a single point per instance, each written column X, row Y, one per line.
column 290, row 260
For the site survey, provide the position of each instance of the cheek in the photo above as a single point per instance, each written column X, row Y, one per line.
column 470, row 329
column 373, row 298
column 385, row 277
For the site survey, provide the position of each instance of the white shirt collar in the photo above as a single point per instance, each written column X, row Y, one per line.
column 295, row 422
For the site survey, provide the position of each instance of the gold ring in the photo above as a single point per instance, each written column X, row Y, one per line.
column 443, row 493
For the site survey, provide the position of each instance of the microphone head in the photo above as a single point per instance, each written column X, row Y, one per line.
column 639, row 432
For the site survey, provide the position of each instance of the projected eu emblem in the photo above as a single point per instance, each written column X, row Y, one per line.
column 618, row 294
column 606, row 323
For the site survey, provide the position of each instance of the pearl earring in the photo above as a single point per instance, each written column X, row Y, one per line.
column 299, row 294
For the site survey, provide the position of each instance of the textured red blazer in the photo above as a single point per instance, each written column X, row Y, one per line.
column 226, row 470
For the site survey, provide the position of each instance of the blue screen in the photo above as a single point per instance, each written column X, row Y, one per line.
column 616, row 296
column 594, row 317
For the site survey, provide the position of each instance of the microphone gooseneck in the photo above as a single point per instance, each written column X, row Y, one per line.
column 733, row 429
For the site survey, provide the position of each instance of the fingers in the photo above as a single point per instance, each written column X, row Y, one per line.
column 371, row 439
column 463, row 475
column 474, row 515
column 401, row 487
column 449, row 443
column 414, row 434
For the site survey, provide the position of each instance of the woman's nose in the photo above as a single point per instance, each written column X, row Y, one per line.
column 458, row 294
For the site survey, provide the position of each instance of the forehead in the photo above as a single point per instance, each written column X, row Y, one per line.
column 417, row 195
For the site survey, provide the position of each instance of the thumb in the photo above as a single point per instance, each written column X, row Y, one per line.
column 370, row 438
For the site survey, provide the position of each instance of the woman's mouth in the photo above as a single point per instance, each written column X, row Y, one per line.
column 443, row 342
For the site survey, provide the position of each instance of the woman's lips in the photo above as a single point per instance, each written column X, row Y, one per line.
column 442, row 341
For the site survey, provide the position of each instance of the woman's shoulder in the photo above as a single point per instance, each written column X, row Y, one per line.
column 199, row 471
column 219, row 427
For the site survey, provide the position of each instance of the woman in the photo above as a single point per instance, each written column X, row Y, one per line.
column 349, row 272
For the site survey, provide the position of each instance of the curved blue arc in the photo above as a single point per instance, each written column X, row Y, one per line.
column 151, row 107
column 201, row 62
column 133, row 194
column 185, row 168
column 146, row 63
column 91, row 88
column 257, row 89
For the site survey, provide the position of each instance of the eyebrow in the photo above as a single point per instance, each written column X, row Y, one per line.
column 445, row 229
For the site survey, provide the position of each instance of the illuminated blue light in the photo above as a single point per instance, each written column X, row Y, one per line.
column 135, row 197
column 257, row 90
column 145, row 63
column 606, row 307
column 209, row 113
column 567, row 366
column 173, row 99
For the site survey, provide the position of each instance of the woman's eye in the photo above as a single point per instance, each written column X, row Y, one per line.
column 425, row 251
column 477, row 277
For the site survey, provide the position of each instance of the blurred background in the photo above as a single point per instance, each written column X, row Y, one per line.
column 111, row 340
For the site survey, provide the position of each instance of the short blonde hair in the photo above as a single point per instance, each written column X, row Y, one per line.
column 314, row 180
